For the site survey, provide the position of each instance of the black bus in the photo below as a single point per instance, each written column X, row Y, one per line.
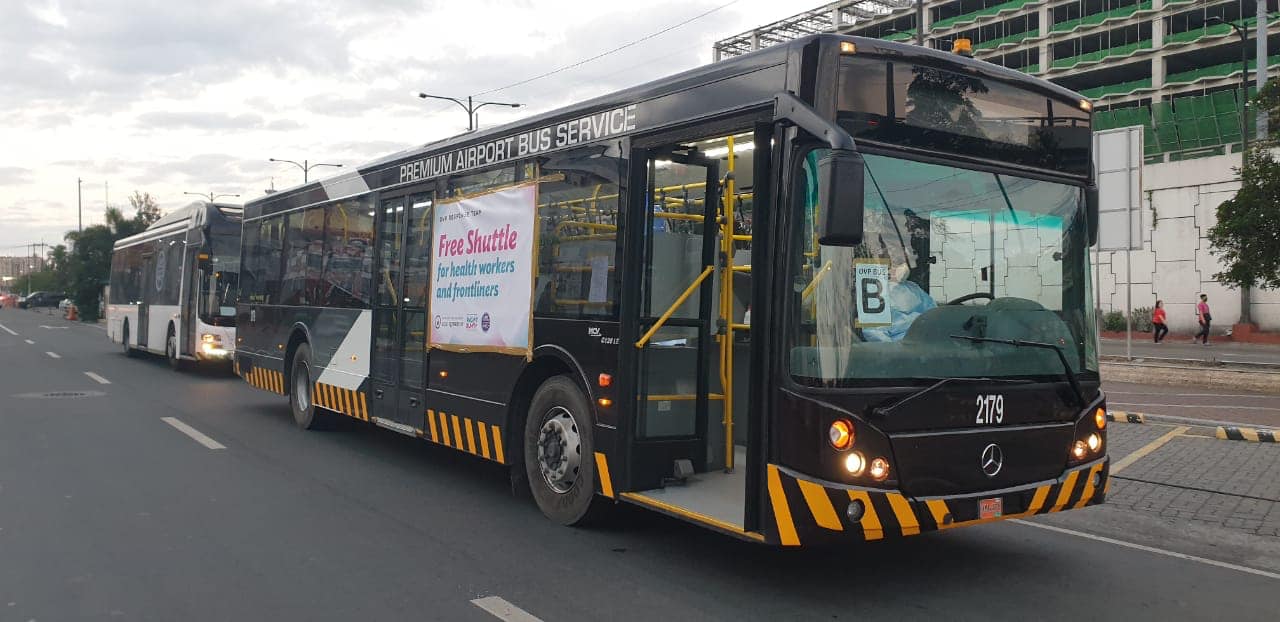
column 835, row 289
column 173, row 287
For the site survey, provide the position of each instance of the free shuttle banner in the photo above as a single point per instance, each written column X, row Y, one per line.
column 482, row 279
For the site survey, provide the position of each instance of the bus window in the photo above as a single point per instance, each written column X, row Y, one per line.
column 578, row 224
column 347, row 254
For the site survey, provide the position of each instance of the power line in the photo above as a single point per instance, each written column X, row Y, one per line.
column 611, row 51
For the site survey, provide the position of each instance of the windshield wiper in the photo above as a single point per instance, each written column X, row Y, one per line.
column 885, row 411
column 1018, row 343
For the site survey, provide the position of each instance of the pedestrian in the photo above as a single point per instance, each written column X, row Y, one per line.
column 1203, row 315
column 1157, row 321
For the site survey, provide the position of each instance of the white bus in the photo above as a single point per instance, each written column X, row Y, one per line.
column 173, row 287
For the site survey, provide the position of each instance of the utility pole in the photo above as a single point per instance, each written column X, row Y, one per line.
column 79, row 206
column 1261, row 55
column 920, row 22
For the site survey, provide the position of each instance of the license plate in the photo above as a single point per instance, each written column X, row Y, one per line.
column 991, row 508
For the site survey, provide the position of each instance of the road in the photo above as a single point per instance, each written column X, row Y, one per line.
column 109, row 511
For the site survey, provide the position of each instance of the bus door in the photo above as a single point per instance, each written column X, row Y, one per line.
column 398, row 367
column 144, row 289
column 677, row 343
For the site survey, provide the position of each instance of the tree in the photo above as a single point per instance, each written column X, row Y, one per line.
column 89, row 265
column 144, row 205
column 1247, row 234
column 58, row 264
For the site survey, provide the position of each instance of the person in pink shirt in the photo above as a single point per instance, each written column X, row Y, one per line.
column 1158, row 325
column 1202, row 314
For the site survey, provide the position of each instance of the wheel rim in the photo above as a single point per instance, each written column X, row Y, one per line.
column 302, row 387
column 559, row 449
column 171, row 348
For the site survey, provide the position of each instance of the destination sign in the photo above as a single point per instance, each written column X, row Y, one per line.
column 550, row 138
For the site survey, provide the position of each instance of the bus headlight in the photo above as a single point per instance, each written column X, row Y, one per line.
column 879, row 469
column 1079, row 450
column 1094, row 442
column 1100, row 419
column 854, row 463
column 211, row 345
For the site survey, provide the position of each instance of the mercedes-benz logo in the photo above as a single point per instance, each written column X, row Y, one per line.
column 992, row 459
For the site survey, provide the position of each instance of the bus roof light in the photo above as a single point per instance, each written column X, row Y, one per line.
column 962, row 46
column 848, row 47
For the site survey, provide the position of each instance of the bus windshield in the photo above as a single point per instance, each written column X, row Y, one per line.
column 218, row 299
column 951, row 257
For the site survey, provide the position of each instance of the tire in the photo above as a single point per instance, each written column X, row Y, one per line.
column 305, row 413
column 129, row 352
column 559, row 458
column 171, row 351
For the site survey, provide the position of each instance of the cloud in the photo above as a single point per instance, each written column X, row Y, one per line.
column 12, row 175
column 166, row 120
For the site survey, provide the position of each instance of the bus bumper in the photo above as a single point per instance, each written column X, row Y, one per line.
column 811, row 511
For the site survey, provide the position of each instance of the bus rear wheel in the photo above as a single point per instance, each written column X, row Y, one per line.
column 559, row 454
column 305, row 413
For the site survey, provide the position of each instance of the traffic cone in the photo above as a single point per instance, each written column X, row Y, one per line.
column 72, row 313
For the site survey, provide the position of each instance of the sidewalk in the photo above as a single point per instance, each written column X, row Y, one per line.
column 1181, row 348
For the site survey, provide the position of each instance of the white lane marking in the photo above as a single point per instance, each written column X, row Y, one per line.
column 53, row 327
column 1149, row 549
column 7, row 330
column 1200, row 406
column 53, row 355
column 1124, row 463
column 195, row 434
column 97, row 378
column 499, row 608
column 30, row 341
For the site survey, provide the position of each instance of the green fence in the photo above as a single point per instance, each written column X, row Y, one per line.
column 1098, row 18
column 1123, row 50
column 974, row 16
column 1190, row 125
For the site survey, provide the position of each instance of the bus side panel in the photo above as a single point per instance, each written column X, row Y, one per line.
column 158, row 319
column 117, row 315
column 341, row 340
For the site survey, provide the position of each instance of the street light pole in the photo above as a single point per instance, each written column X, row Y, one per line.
column 306, row 166
column 79, row 206
column 212, row 197
column 471, row 107
column 1243, row 33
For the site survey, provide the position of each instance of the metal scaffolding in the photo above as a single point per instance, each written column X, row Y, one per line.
column 834, row 17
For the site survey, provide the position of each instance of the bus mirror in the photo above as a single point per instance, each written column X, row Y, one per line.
column 840, row 180
column 1091, row 211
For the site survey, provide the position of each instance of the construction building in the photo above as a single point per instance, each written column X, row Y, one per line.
column 1172, row 66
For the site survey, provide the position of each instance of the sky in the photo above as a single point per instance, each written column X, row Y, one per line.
column 174, row 96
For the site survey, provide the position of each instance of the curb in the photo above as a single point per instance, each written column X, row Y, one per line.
column 1253, row 435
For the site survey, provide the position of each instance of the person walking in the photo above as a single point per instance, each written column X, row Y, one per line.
column 1158, row 325
column 1203, row 315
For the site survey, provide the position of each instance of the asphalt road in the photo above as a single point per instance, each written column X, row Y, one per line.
column 109, row 512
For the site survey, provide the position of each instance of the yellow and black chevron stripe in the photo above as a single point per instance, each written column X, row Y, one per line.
column 808, row 511
column 474, row 437
column 1255, row 435
column 340, row 400
column 1126, row 417
column 266, row 379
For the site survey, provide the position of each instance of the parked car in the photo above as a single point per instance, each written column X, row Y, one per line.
column 63, row 304
column 41, row 299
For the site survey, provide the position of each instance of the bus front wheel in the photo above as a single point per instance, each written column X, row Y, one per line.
column 305, row 413
column 559, row 453
column 171, row 351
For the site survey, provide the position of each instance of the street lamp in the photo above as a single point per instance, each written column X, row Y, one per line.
column 211, row 195
column 470, row 107
column 1243, row 33
column 306, row 166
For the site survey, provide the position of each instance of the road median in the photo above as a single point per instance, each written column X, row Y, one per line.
column 1263, row 377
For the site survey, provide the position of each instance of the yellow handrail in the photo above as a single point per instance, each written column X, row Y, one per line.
column 675, row 305
column 817, row 278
